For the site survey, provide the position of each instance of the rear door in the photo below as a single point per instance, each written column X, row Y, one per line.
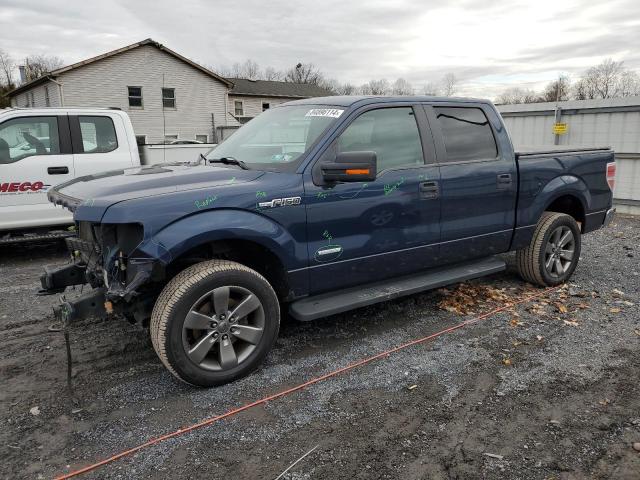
column 478, row 178
column 35, row 154
column 100, row 143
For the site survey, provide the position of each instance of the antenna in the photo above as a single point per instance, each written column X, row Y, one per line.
column 164, row 125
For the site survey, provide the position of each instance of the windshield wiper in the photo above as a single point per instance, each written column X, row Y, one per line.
column 229, row 161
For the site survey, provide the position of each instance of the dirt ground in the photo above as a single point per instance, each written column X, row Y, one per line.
column 550, row 390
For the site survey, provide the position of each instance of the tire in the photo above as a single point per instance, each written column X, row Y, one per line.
column 196, row 341
column 538, row 263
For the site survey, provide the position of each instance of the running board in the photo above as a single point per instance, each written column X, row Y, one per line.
column 330, row 303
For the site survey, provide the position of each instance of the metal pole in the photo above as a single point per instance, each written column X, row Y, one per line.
column 556, row 140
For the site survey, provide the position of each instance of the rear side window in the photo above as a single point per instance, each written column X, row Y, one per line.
column 98, row 134
column 28, row 136
column 467, row 134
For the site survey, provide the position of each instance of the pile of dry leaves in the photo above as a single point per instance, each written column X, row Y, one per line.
column 473, row 298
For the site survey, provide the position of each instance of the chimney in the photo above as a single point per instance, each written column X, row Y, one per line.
column 23, row 73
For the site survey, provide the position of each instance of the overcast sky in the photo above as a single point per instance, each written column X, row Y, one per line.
column 488, row 45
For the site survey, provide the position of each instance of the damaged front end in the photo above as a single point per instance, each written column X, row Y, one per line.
column 105, row 257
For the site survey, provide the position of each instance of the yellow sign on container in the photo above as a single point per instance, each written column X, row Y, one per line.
column 560, row 128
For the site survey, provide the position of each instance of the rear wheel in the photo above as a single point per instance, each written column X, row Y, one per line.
column 552, row 255
column 215, row 322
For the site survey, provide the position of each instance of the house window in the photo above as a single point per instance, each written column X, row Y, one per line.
column 202, row 138
column 265, row 106
column 135, row 97
column 170, row 138
column 33, row 100
column 238, row 107
column 47, row 101
column 169, row 97
column 141, row 139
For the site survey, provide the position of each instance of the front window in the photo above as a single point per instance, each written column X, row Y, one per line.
column 28, row 136
column 278, row 138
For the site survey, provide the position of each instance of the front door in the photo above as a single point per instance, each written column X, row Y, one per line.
column 366, row 231
column 35, row 155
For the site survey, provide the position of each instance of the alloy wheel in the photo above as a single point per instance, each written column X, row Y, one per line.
column 559, row 251
column 223, row 327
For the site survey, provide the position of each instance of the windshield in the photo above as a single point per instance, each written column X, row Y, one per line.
column 277, row 139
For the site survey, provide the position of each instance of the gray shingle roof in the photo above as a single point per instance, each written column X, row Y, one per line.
column 269, row 88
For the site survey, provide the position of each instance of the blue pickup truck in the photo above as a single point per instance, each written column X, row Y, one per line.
column 320, row 206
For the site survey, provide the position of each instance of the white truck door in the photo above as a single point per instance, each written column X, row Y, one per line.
column 35, row 154
column 100, row 143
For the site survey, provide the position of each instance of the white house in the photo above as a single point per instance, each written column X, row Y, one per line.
column 167, row 96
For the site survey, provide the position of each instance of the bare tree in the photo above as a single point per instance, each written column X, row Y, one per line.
column 348, row 89
column 516, row 95
column 557, row 90
column 332, row 85
column 7, row 67
column 584, row 90
column 606, row 77
column 304, row 73
column 39, row 65
column 376, row 87
column 271, row 73
column 601, row 81
column 629, row 84
column 247, row 69
column 251, row 70
column 431, row 88
column 401, row 87
column 449, row 83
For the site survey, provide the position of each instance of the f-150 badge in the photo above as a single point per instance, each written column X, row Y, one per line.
column 280, row 202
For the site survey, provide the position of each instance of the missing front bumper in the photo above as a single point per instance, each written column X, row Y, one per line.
column 90, row 304
column 56, row 279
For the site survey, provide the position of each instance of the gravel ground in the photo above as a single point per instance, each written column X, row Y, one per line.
column 548, row 390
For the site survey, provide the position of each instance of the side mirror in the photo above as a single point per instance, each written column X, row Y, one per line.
column 351, row 167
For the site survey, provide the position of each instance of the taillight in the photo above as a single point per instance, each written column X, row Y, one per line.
column 611, row 174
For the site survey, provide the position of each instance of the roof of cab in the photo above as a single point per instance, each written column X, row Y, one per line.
column 358, row 100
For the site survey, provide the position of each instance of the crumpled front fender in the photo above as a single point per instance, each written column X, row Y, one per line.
column 224, row 224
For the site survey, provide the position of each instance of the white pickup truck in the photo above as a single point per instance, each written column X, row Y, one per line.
column 42, row 147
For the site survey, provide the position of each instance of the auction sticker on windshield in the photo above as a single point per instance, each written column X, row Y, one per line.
column 324, row 112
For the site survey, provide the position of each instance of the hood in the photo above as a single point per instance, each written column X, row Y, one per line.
column 105, row 189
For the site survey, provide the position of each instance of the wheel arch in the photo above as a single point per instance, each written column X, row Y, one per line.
column 246, row 237
column 569, row 204
column 566, row 194
column 247, row 252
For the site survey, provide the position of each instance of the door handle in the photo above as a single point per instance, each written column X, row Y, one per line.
column 504, row 180
column 57, row 170
column 429, row 190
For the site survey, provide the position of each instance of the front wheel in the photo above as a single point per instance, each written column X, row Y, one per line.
column 215, row 322
column 553, row 253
